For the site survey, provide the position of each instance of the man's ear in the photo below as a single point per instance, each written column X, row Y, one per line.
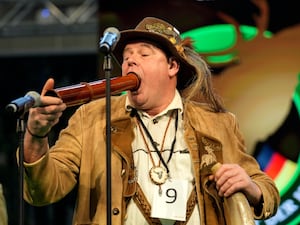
column 173, row 66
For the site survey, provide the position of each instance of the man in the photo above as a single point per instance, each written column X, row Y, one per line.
column 165, row 138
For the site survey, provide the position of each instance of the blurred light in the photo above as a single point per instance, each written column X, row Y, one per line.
column 45, row 13
column 296, row 95
column 217, row 42
column 44, row 16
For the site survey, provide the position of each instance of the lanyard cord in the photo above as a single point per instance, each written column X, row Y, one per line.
column 152, row 141
column 174, row 140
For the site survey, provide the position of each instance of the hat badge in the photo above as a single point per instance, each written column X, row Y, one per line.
column 163, row 30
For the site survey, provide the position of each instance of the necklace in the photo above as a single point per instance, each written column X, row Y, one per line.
column 158, row 174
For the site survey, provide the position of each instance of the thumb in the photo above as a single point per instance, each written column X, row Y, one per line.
column 48, row 86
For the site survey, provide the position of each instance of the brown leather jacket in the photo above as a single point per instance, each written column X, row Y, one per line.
column 78, row 157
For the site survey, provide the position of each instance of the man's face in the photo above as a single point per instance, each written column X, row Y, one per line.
column 157, row 74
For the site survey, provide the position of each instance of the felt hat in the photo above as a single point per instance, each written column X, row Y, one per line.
column 164, row 36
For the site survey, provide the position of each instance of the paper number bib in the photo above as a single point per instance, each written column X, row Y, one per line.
column 171, row 204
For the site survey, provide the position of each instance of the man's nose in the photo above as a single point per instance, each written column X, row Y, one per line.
column 131, row 61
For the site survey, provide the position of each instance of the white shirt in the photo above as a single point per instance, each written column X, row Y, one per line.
column 179, row 166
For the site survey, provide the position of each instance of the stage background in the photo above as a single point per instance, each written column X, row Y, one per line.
column 260, row 84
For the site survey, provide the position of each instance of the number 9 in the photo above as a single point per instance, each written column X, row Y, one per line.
column 172, row 194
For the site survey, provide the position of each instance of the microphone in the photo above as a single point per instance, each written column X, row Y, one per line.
column 110, row 38
column 22, row 104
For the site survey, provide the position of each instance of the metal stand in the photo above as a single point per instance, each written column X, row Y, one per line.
column 107, row 67
column 21, row 130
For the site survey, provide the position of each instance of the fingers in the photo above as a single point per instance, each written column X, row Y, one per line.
column 49, row 100
column 50, row 112
column 229, row 187
column 48, row 86
column 42, row 118
column 231, row 178
column 51, row 109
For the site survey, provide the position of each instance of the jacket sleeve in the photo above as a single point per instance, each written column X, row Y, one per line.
column 271, row 199
column 54, row 175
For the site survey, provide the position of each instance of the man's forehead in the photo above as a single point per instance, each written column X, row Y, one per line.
column 142, row 44
column 139, row 44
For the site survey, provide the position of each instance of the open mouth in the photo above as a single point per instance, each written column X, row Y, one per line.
column 137, row 80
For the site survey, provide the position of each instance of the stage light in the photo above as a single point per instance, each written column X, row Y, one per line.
column 44, row 16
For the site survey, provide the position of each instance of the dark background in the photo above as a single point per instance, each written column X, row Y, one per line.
column 20, row 74
column 190, row 14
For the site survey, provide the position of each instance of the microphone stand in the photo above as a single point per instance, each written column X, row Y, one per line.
column 107, row 67
column 21, row 130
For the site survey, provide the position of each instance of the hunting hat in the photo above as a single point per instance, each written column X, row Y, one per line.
column 166, row 37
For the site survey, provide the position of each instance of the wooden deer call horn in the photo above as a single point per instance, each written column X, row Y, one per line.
column 84, row 92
